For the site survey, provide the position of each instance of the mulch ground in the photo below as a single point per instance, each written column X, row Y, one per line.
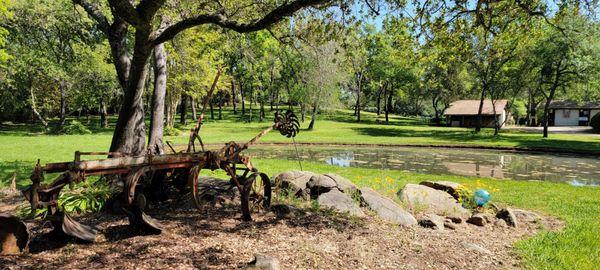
column 216, row 238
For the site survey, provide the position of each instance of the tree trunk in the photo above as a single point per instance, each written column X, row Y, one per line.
column 193, row 104
column 313, row 118
column 103, row 115
column 478, row 123
column 550, row 97
column 212, row 111
column 233, row 96
column 130, row 132
column 379, row 101
column 220, row 109
column 242, row 92
column 35, row 111
column 262, row 111
column 251, row 101
column 303, row 111
column 183, row 110
column 358, row 91
column 63, row 104
column 388, row 105
column 155, row 140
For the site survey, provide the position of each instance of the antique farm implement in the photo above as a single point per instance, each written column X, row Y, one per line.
column 148, row 174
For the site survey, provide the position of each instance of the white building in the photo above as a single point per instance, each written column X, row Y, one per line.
column 571, row 113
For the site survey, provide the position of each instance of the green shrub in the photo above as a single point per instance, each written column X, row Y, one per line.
column 86, row 197
column 595, row 122
column 72, row 128
column 171, row 131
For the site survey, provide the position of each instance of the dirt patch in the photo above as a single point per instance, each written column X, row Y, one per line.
column 216, row 238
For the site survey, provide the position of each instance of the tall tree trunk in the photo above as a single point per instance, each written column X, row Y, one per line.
column 379, row 101
column 103, row 115
column 550, row 97
column 388, row 105
column 262, row 110
column 155, row 140
column 242, row 94
column 183, row 110
column 313, row 118
column 303, row 111
column 478, row 123
column 233, row 96
column 63, row 104
column 358, row 91
column 130, row 132
column 35, row 111
column 193, row 104
column 212, row 111
column 251, row 101
column 220, row 109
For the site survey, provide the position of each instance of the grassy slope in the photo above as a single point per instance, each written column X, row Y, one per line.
column 576, row 247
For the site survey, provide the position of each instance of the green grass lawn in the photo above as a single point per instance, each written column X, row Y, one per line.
column 576, row 247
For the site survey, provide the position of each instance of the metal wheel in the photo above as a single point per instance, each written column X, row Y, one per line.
column 193, row 183
column 257, row 194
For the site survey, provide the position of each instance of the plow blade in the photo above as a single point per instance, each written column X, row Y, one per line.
column 140, row 220
column 14, row 235
column 75, row 229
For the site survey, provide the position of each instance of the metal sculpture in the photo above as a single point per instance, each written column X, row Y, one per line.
column 152, row 172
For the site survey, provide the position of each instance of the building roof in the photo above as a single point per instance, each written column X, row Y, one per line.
column 570, row 104
column 471, row 107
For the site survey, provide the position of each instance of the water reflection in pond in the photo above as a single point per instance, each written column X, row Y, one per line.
column 468, row 162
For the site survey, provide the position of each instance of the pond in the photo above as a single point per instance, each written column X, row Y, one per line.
column 576, row 170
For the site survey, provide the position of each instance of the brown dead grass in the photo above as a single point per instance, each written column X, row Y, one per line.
column 216, row 238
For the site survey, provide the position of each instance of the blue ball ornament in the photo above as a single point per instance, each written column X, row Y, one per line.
column 481, row 197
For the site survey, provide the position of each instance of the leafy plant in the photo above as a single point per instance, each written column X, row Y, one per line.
column 72, row 128
column 171, row 131
column 86, row 197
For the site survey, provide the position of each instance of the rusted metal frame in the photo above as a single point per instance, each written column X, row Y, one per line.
column 194, row 132
column 78, row 154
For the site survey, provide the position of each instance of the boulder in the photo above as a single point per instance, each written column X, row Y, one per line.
column 340, row 202
column 508, row 216
column 319, row 184
column 295, row 181
column 429, row 200
column 343, row 184
column 432, row 221
column 386, row 209
column 477, row 219
column 263, row 262
column 447, row 186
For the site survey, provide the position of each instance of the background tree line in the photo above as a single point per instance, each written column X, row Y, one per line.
column 156, row 60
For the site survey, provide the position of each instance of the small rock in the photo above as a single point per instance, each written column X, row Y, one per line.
column 500, row 223
column 432, row 221
column 343, row 184
column 339, row 201
column 429, row 200
column 450, row 225
column 477, row 248
column 526, row 216
column 477, row 219
column 263, row 262
column 507, row 215
column 447, row 186
column 387, row 209
column 319, row 184
column 455, row 219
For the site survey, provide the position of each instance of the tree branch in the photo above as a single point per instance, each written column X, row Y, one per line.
column 222, row 20
column 125, row 10
column 148, row 8
column 95, row 14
